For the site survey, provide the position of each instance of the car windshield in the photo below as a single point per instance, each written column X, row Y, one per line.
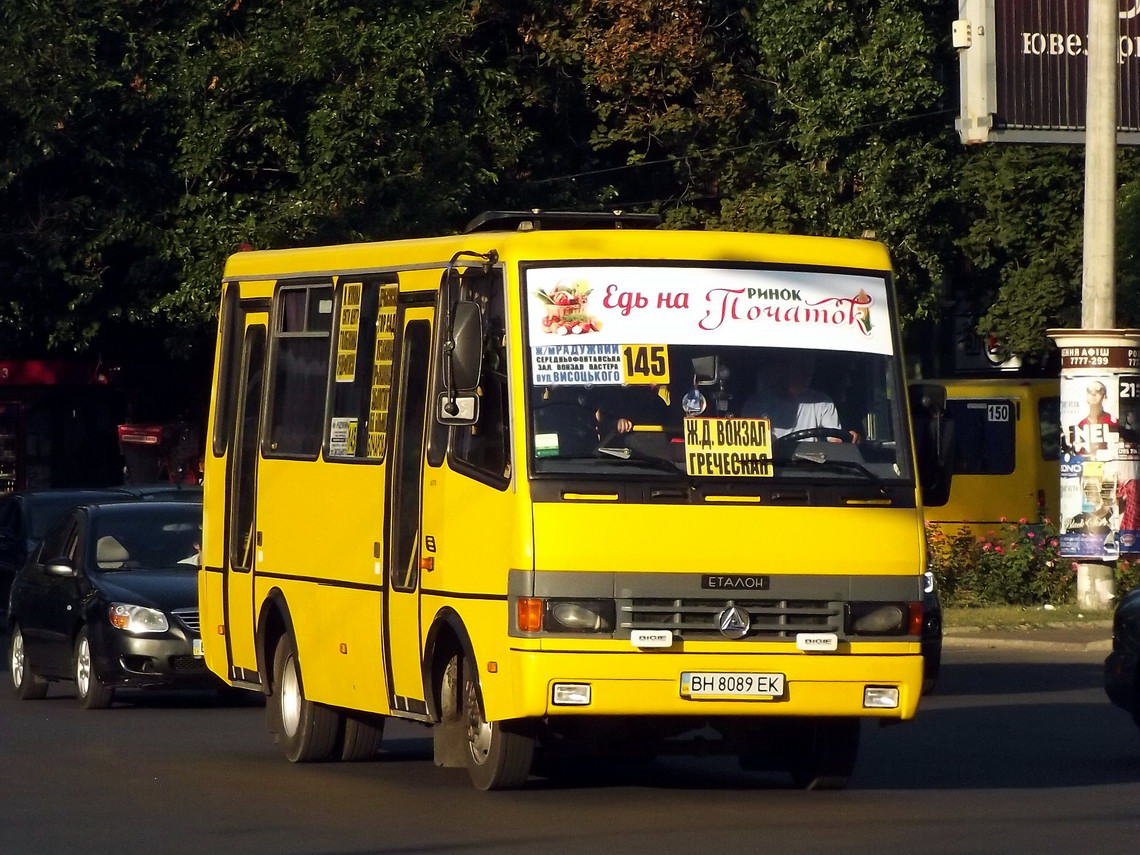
column 145, row 536
column 713, row 372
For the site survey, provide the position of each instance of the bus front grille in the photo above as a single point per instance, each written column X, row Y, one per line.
column 699, row 619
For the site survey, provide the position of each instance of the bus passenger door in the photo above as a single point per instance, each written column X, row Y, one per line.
column 403, row 515
column 241, row 493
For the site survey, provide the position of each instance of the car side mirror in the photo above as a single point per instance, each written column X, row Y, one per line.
column 60, row 567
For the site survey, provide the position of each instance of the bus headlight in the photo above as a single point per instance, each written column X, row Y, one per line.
column 579, row 616
column 884, row 619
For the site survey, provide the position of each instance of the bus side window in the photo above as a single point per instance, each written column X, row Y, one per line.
column 298, row 386
column 358, row 410
column 484, row 447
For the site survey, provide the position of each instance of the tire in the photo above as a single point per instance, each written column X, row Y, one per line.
column 29, row 686
column 499, row 754
column 92, row 694
column 823, row 753
column 306, row 731
column 362, row 735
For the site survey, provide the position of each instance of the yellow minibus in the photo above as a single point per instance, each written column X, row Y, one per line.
column 1007, row 450
column 573, row 484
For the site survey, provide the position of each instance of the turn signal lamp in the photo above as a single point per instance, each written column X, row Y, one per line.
column 530, row 614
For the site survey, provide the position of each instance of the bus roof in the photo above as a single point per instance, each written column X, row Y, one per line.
column 562, row 244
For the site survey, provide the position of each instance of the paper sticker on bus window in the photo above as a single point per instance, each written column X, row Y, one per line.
column 645, row 363
column 577, row 364
column 342, row 437
column 724, row 448
column 546, row 445
column 348, row 335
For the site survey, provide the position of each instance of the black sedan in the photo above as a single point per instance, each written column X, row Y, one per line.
column 26, row 515
column 1122, row 667
column 109, row 599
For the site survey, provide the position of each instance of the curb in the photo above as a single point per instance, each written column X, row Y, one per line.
column 963, row 642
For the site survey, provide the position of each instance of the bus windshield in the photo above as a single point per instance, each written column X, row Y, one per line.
column 722, row 372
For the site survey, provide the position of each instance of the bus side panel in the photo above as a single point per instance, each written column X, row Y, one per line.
column 336, row 631
column 479, row 533
column 320, row 526
column 211, row 608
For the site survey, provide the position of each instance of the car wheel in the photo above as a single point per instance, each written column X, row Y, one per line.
column 307, row 731
column 499, row 756
column 823, row 753
column 93, row 695
column 29, row 686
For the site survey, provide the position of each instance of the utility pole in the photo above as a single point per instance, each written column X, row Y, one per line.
column 1094, row 357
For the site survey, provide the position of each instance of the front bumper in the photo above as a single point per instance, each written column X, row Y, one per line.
column 165, row 660
column 647, row 683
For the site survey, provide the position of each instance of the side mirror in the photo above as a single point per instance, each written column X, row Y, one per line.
column 934, row 441
column 463, row 365
column 467, row 354
column 60, row 567
column 706, row 370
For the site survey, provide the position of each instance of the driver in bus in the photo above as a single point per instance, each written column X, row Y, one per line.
column 785, row 397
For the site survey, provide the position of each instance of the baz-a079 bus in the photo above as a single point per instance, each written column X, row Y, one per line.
column 520, row 484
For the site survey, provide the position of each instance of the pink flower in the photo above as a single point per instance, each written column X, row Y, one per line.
column 998, row 550
column 1052, row 543
column 986, row 547
column 1023, row 520
column 1030, row 534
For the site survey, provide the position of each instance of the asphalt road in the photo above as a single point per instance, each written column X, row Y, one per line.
column 1019, row 751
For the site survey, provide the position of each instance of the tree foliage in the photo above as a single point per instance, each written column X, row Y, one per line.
column 140, row 143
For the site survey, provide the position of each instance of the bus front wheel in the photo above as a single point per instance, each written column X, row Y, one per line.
column 499, row 754
column 307, row 731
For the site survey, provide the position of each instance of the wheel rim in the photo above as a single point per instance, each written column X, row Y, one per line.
column 17, row 663
column 290, row 697
column 478, row 729
column 83, row 668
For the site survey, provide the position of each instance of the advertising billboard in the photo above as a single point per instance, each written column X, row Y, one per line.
column 1023, row 66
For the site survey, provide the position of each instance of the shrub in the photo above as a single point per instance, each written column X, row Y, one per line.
column 1015, row 564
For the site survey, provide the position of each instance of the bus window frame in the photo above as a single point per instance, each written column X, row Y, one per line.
column 377, row 280
column 308, row 283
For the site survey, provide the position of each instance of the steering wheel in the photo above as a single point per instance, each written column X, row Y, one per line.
column 816, row 433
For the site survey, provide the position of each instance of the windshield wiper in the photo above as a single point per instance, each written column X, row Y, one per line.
column 814, row 459
column 628, row 455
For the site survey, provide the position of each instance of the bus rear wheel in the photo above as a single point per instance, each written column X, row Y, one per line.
column 306, row 731
column 823, row 752
column 499, row 754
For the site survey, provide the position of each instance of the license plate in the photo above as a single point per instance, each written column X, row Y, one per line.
column 716, row 684
column 198, row 647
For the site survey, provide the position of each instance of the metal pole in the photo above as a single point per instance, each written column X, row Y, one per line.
column 1096, row 582
column 1098, row 292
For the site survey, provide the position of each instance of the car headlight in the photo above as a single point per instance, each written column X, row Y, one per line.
column 140, row 619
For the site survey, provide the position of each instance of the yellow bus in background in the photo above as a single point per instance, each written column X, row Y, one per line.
column 508, row 484
column 1007, row 446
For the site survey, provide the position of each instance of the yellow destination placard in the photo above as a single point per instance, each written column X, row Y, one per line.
column 645, row 363
column 723, row 448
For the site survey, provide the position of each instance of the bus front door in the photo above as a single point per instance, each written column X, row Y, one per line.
column 402, row 519
column 241, row 517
